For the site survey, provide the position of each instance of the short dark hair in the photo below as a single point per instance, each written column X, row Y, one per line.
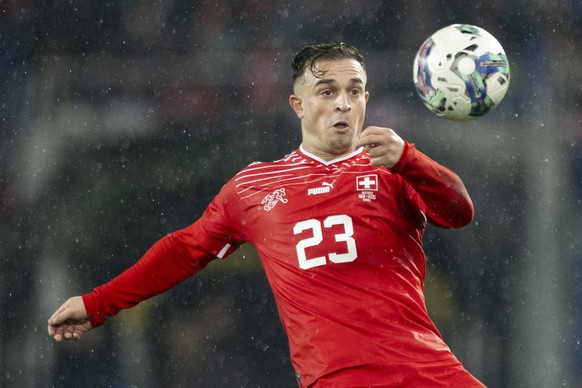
column 310, row 55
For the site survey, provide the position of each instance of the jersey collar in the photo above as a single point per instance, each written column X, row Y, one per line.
column 330, row 162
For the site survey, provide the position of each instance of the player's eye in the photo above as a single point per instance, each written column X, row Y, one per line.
column 326, row 92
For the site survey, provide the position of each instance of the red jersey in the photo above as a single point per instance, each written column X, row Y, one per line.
column 341, row 244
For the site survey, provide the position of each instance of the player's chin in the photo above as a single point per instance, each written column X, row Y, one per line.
column 342, row 142
column 344, row 134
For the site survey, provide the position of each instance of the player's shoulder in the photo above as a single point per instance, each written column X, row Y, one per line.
column 294, row 159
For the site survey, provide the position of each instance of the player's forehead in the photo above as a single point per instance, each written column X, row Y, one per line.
column 338, row 71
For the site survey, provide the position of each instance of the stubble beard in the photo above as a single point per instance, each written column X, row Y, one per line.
column 342, row 144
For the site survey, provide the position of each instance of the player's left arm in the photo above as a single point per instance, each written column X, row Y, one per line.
column 441, row 190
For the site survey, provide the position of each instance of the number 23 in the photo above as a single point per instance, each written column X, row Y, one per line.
column 317, row 238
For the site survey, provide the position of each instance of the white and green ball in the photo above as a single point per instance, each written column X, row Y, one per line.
column 461, row 72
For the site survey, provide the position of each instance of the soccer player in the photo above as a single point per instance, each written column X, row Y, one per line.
column 338, row 225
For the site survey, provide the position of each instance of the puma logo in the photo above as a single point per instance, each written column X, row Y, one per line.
column 324, row 189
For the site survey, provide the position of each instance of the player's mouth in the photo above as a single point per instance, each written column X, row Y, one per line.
column 341, row 125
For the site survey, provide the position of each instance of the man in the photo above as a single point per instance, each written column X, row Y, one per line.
column 338, row 225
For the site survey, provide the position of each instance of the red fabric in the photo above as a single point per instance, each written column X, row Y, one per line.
column 425, row 375
column 341, row 244
column 448, row 203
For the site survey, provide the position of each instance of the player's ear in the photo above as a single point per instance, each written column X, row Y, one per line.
column 367, row 96
column 297, row 105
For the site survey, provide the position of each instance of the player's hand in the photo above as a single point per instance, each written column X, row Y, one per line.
column 383, row 144
column 70, row 321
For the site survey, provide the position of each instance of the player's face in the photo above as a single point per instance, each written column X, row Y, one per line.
column 331, row 107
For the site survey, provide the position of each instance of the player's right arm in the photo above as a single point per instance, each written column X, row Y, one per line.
column 168, row 262
column 171, row 260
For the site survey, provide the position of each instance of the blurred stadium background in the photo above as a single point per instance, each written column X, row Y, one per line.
column 120, row 120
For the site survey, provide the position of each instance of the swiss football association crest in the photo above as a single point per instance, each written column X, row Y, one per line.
column 367, row 186
column 272, row 199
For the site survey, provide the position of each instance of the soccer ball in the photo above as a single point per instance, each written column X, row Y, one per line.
column 461, row 72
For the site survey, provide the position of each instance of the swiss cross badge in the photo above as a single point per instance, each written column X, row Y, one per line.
column 366, row 186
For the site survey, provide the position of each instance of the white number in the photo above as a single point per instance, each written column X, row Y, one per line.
column 346, row 237
column 317, row 238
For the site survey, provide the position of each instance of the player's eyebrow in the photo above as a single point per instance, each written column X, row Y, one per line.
column 324, row 82
column 356, row 80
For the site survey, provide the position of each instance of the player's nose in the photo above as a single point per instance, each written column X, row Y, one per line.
column 342, row 103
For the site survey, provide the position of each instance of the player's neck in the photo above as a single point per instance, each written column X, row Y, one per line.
column 328, row 158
